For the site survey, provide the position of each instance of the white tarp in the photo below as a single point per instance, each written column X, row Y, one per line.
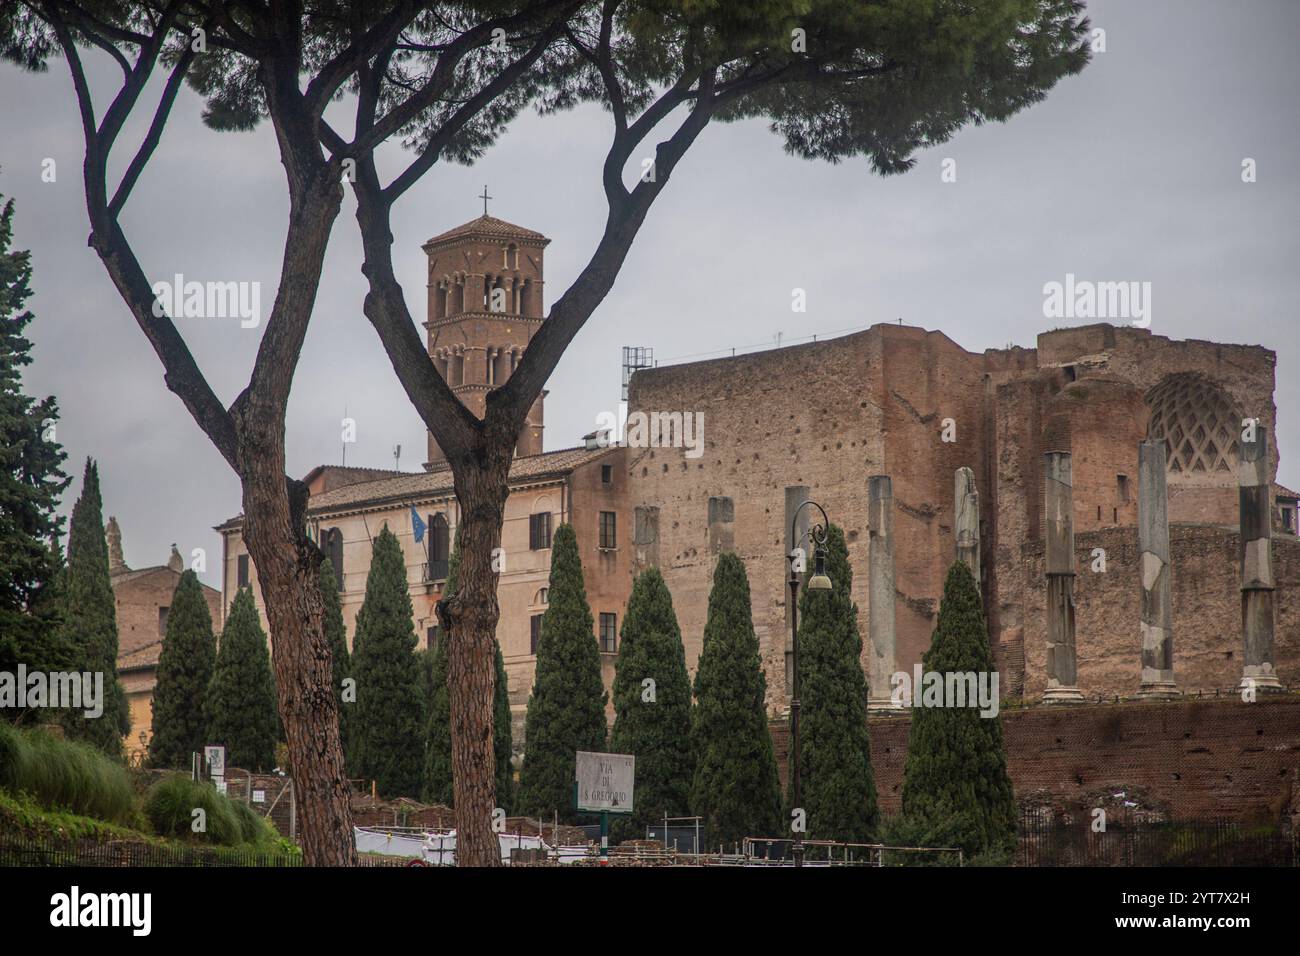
column 439, row 847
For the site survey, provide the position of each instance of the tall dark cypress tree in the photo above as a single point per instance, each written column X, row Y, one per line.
column 31, row 481
column 337, row 635
column 388, row 718
column 90, row 619
column 653, row 720
column 735, row 787
column 189, row 656
column 956, row 791
column 839, row 788
column 566, row 712
column 240, row 702
column 437, row 784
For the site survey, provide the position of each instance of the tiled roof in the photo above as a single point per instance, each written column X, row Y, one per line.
column 146, row 655
column 435, row 483
column 488, row 226
column 1282, row 491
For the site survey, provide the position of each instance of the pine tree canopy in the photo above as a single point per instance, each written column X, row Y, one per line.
column 956, row 791
column 566, row 712
column 241, row 706
column 388, row 720
column 735, row 787
column 185, row 668
column 31, row 482
column 653, row 720
column 839, row 789
column 90, row 618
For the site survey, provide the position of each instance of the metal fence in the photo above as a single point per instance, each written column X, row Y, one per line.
column 1169, row 843
column 24, row 851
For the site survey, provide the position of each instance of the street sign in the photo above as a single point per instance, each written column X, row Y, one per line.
column 215, row 758
column 605, row 782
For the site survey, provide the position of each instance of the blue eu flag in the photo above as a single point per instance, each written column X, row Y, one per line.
column 417, row 524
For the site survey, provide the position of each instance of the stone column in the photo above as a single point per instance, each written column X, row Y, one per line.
column 966, row 520
column 1256, row 552
column 722, row 525
column 880, row 592
column 1153, row 549
column 1058, row 507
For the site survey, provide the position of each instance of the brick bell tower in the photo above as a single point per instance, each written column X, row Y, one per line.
column 485, row 305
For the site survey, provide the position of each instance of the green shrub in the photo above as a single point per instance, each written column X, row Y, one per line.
column 65, row 775
column 253, row 827
column 170, row 805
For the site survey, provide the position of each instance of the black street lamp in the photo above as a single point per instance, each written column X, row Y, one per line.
column 818, row 582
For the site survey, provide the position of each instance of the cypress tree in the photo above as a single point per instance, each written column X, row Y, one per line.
column 566, row 711
column 437, row 782
column 337, row 636
column 388, row 717
column 653, row 721
column 241, row 707
column 735, row 787
column 31, row 481
column 90, row 619
column 956, row 791
column 185, row 667
column 839, row 788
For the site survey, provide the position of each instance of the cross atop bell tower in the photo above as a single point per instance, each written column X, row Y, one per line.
column 485, row 305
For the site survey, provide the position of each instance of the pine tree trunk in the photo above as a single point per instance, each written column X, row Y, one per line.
column 288, row 578
column 471, row 660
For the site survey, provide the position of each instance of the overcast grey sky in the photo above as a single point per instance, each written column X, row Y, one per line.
column 1131, row 170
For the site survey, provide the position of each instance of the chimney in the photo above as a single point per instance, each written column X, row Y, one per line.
column 174, row 560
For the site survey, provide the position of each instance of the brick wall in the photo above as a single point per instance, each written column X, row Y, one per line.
column 1212, row 758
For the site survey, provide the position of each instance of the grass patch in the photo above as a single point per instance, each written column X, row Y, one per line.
column 66, row 775
column 170, row 807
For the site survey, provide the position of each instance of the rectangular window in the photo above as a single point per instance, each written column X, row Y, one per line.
column 606, row 474
column 535, row 626
column 608, row 529
column 241, row 571
column 1122, row 482
column 539, row 531
column 1288, row 519
column 608, row 633
column 432, row 636
column 162, row 621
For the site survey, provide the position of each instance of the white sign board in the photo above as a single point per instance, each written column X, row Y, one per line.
column 221, row 784
column 605, row 781
column 215, row 758
column 259, row 796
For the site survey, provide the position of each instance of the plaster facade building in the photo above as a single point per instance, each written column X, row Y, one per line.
column 485, row 304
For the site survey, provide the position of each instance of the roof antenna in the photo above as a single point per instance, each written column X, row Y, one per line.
column 397, row 457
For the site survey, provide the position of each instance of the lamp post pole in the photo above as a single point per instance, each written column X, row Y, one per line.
column 818, row 582
column 794, row 705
